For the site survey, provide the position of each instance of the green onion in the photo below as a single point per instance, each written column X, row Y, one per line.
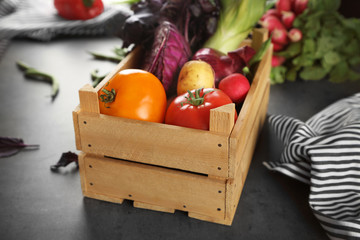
column 237, row 19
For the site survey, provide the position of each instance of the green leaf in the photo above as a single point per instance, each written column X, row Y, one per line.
column 354, row 61
column 291, row 74
column 309, row 45
column 315, row 72
column 331, row 58
column 277, row 75
column 339, row 73
column 292, row 50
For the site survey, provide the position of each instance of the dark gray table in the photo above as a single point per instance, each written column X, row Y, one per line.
column 36, row 203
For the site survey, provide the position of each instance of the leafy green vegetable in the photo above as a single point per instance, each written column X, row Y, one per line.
column 330, row 46
column 237, row 19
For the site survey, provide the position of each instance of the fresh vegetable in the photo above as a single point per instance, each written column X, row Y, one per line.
column 280, row 36
column 300, row 6
column 135, row 94
column 192, row 109
column 195, row 20
column 79, row 9
column 271, row 23
column 119, row 54
column 277, row 60
column 195, row 74
column 271, row 12
column 10, row 146
column 325, row 44
column 65, row 159
column 236, row 86
column 224, row 65
column 287, row 19
column 283, row 5
column 35, row 74
column 295, row 35
column 169, row 53
column 237, row 19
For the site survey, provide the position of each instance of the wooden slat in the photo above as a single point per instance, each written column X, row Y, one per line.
column 260, row 35
column 167, row 188
column 89, row 101
column 243, row 152
column 242, row 130
column 76, row 127
column 143, row 205
column 222, row 119
column 154, row 143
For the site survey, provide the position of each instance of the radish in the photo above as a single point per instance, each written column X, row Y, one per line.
column 271, row 12
column 283, row 5
column 277, row 46
column 295, row 35
column 287, row 18
column 277, row 60
column 280, row 36
column 271, row 22
column 236, row 86
column 300, row 6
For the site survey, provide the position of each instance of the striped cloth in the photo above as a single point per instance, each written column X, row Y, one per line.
column 38, row 19
column 324, row 152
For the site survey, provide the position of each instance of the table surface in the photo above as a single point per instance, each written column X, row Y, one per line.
column 36, row 203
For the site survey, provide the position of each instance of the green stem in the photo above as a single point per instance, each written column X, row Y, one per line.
column 99, row 56
column 34, row 74
column 96, row 78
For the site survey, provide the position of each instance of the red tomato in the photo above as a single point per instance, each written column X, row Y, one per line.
column 135, row 94
column 193, row 110
column 79, row 9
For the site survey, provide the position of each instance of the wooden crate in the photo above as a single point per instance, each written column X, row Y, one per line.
column 164, row 167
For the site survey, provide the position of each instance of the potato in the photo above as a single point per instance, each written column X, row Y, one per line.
column 195, row 74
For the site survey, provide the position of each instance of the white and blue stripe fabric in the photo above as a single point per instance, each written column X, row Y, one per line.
column 38, row 19
column 324, row 152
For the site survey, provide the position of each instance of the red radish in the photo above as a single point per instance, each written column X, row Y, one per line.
column 283, row 5
column 236, row 86
column 271, row 12
column 277, row 60
column 271, row 23
column 300, row 6
column 277, row 47
column 295, row 35
column 287, row 18
column 280, row 36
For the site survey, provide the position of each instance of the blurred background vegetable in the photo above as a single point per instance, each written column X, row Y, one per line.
column 321, row 43
column 237, row 19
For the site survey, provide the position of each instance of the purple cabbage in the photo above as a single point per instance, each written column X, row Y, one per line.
column 169, row 52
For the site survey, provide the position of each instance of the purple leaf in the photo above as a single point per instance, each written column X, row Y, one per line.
column 11, row 146
column 65, row 159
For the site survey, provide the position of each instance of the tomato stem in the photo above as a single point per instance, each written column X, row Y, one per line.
column 196, row 100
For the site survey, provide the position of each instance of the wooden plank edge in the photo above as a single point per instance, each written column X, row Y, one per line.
column 153, row 207
column 76, row 127
column 226, row 221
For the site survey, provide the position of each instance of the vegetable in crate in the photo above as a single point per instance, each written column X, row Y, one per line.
column 79, row 9
column 224, row 65
column 169, row 53
column 135, row 94
column 192, row 109
column 195, row 74
column 237, row 19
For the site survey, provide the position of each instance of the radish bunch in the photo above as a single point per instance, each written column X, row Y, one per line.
column 279, row 22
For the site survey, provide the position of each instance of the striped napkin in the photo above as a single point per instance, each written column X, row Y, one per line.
column 38, row 19
column 324, row 152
